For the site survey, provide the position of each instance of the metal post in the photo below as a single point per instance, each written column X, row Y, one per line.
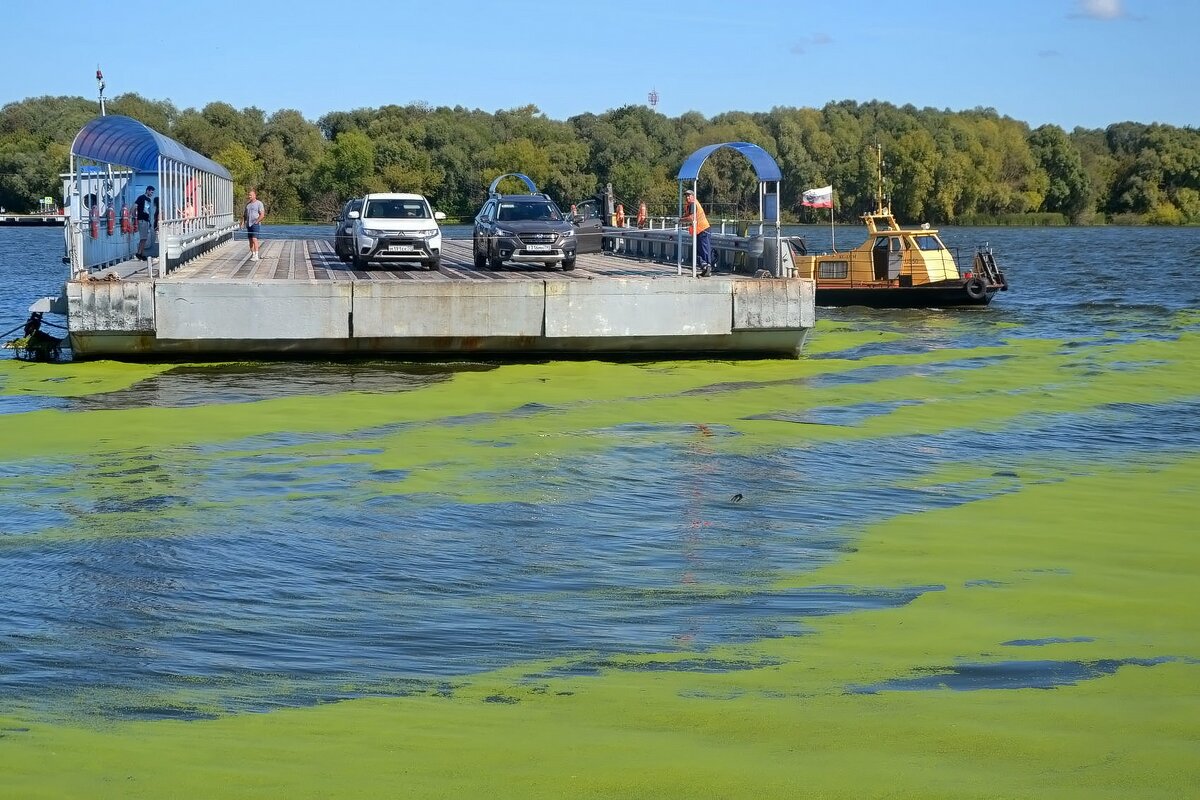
column 678, row 234
column 695, row 202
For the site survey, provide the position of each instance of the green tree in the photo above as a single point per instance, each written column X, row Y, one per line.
column 246, row 170
column 348, row 166
column 1069, row 190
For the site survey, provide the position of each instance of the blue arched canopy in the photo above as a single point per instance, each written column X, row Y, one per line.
column 764, row 166
column 124, row 141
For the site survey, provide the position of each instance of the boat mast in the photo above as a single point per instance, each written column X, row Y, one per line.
column 878, row 178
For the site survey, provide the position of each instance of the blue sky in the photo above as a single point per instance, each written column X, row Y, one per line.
column 1068, row 62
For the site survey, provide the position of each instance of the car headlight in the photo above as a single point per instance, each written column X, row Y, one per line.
column 567, row 234
column 373, row 233
column 503, row 232
column 428, row 234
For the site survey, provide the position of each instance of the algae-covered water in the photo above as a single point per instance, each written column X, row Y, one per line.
column 944, row 554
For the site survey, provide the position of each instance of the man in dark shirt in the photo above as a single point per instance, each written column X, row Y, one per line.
column 147, row 220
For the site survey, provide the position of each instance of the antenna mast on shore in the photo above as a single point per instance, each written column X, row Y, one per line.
column 100, row 83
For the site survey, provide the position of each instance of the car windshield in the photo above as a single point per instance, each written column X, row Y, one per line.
column 396, row 209
column 517, row 212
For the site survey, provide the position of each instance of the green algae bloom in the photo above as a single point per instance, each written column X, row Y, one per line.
column 1048, row 648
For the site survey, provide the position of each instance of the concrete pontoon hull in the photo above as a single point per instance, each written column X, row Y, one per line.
column 606, row 307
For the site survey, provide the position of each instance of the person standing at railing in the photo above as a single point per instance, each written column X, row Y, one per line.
column 147, row 220
column 697, row 223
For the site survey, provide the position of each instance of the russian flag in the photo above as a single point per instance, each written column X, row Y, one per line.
column 818, row 198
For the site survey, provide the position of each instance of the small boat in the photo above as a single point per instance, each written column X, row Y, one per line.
column 898, row 268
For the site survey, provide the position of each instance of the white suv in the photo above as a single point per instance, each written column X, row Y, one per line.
column 396, row 227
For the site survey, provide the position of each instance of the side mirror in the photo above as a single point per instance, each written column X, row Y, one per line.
column 577, row 219
column 439, row 215
column 352, row 215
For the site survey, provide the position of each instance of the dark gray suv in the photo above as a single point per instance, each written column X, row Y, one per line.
column 343, row 234
column 523, row 228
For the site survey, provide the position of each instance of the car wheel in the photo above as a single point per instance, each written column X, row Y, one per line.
column 568, row 264
column 480, row 260
column 496, row 263
column 359, row 261
column 433, row 263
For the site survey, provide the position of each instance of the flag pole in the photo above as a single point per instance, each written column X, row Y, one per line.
column 832, row 235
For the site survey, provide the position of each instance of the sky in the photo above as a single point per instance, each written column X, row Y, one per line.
column 1086, row 63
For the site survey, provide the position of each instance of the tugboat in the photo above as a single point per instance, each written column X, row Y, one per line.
column 898, row 268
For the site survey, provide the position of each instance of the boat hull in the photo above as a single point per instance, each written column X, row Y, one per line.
column 934, row 295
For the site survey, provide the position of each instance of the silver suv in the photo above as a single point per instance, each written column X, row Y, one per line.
column 523, row 228
column 398, row 228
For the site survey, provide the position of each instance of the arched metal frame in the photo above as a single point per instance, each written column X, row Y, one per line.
column 525, row 178
column 113, row 160
column 770, row 185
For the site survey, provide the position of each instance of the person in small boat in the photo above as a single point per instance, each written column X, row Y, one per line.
column 693, row 215
column 147, row 220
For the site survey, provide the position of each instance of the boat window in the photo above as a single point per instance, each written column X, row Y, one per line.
column 834, row 269
column 928, row 242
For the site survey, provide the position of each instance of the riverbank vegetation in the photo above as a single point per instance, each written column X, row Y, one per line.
column 941, row 166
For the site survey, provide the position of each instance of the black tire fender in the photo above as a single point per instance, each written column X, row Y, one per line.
column 976, row 288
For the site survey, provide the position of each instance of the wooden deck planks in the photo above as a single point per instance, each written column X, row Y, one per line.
column 314, row 260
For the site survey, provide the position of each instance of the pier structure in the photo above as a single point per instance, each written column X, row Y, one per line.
column 53, row 218
column 113, row 160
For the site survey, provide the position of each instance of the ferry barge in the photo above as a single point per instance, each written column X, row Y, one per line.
column 200, row 295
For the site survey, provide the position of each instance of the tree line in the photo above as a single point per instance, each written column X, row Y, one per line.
column 940, row 166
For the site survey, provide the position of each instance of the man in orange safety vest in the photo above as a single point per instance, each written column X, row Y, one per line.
column 694, row 216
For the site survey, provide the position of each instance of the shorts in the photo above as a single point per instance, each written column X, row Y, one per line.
column 144, row 230
column 252, row 230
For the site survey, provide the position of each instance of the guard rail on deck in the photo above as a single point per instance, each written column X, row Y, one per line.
column 731, row 251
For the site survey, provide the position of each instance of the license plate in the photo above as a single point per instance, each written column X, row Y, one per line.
column 400, row 248
column 538, row 248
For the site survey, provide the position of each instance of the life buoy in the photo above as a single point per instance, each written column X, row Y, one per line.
column 111, row 220
column 94, row 216
column 620, row 216
column 641, row 217
column 976, row 288
column 126, row 222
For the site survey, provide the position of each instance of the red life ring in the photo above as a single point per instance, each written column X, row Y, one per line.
column 111, row 221
column 641, row 217
column 94, row 214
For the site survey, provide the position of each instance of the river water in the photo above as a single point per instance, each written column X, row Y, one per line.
column 197, row 541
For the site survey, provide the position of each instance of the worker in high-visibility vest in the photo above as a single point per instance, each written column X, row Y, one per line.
column 694, row 216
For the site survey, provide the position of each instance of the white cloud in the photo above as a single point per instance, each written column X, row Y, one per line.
column 1101, row 9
